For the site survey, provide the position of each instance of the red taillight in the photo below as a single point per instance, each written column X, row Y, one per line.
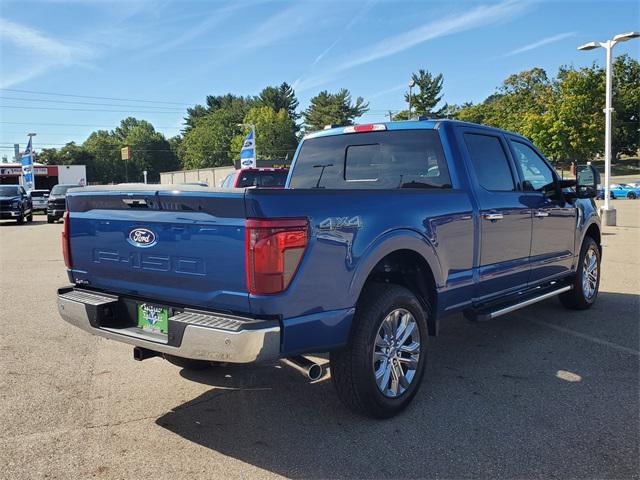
column 274, row 249
column 66, row 251
column 369, row 127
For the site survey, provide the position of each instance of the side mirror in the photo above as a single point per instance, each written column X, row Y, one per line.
column 587, row 180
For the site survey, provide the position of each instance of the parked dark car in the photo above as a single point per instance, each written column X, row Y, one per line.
column 15, row 203
column 257, row 177
column 57, row 203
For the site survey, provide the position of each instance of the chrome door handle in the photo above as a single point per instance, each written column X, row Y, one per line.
column 493, row 216
column 541, row 214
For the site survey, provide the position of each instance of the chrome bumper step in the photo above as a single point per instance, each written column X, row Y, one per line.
column 192, row 334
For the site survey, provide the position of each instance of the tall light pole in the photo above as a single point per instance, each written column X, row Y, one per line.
column 412, row 83
column 608, row 212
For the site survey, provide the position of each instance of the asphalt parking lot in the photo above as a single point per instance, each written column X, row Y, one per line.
column 540, row 393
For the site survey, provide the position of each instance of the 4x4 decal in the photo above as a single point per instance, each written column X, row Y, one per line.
column 337, row 223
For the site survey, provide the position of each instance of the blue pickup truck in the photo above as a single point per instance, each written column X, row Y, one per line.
column 381, row 232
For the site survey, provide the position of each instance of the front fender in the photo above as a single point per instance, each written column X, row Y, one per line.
column 388, row 242
column 587, row 216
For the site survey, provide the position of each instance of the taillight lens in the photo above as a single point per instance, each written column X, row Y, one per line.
column 66, row 250
column 369, row 127
column 274, row 249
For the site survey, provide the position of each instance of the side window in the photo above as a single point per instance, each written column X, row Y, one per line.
column 228, row 182
column 536, row 174
column 490, row 162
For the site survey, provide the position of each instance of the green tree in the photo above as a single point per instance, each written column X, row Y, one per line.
column 626, row 104
column 428, row 94
column 105, row 149
column 208, row 143
column 278, row 98
column 151, row 151
column 48, row 156
column 275, row 134
column 333, row 108
column 236, row 105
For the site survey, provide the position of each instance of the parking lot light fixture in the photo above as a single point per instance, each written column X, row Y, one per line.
column 608, row 212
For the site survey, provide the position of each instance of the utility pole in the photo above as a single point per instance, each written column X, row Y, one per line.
column 412, row 83
column 390, row 116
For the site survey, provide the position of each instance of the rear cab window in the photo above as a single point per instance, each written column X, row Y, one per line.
column 39, row 193
column 389, row 159
column 61, row 189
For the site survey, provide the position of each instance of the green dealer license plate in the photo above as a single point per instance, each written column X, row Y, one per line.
column 153, row 319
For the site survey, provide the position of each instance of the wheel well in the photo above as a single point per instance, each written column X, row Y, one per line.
column 594, row 232
column 409, row 269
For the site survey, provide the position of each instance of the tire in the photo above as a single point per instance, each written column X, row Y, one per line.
column 187, row 363
column 20, row 219
column 631, row 196
column 583, row 296
column 30, row 217
column 612, row 196
column 49, row 219
column 353, row 368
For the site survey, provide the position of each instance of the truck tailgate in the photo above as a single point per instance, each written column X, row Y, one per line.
column 176, row 246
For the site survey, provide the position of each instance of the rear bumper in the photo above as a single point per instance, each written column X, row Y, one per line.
column 55, row 213
column 196, row 335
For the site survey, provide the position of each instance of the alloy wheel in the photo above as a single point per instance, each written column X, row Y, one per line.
column 590, row 273
column 396, row 353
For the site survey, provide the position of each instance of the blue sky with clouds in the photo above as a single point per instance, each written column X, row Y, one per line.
column 161, row 56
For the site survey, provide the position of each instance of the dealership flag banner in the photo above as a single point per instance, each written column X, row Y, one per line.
column 27, row 167
column 248, row 152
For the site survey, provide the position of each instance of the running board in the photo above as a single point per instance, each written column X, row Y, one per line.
column 484, row 314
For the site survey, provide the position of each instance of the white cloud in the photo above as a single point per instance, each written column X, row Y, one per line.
column 197, row 29
column 45, row 52
column 540, row 43
column 354, row 20
column 397, row 88
column 480, row 16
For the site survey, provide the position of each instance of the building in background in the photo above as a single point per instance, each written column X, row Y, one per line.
column 213, row 177
column 46, row 176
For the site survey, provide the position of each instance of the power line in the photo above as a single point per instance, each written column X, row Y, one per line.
column 94, row 97
column 82, row 103
column 172, row 112
column 73, row 125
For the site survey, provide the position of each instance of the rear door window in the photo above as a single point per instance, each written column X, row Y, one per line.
column 490, row 162
column 380, row 160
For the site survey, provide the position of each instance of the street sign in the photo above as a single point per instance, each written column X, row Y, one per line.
column 126, row 153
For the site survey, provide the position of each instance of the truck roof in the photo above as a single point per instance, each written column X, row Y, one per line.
column 427, row 124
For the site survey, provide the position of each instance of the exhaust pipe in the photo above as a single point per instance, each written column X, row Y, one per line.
column 140, row 353
column 313, row 371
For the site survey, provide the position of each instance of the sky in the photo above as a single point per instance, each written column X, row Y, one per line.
column 68, row 68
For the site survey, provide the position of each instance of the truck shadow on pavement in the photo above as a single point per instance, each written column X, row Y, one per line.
column 541, row 392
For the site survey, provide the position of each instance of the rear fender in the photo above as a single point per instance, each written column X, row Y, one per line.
column 403, row 239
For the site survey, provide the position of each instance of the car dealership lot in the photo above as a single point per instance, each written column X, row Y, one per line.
column 543, row 392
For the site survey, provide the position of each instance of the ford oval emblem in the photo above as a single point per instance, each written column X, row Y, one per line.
column 142, row 237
